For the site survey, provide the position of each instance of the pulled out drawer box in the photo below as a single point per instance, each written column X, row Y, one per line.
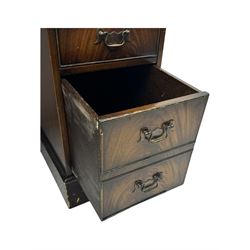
column 131, row 126
column 117, row 119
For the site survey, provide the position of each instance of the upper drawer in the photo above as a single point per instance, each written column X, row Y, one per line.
column 87, row 46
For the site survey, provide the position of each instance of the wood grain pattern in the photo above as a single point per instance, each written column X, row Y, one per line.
column 127, row 88
column 68, row 185
column 111, row 95
column 122, row 134
column 52, row 107
column 105, row 146
column 77, row 46
column 107, row 65
column 120, row 193
column 160, row 46
column 163, row 155
column 156, row 93
column 84, row 141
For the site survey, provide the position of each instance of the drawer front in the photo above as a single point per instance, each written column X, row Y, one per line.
column 133, row 137
column 124, row 191
column 84, row 46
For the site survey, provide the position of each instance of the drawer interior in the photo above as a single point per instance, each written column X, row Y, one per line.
column 120, row 89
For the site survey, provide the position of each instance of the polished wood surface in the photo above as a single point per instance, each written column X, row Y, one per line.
column 121, row 192
column 130, row 126
column 160, row 46
column 105, row 126
column 52, row 107
column 84, row 141
column 132, row 166
column 96, row 67
column 77, row 46
column 117, row 90
column 125, row 89
column 69, row 186
column 124, row 143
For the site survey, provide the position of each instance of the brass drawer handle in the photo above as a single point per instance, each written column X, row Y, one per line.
column 149, row 184
column 112, row 39
column 157, row 134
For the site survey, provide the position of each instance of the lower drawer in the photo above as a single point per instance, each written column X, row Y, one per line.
column 126, row 190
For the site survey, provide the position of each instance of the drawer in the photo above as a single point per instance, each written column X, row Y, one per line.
column 88, row 46
column 129, row 189
column 126, row 125
column 139, row 112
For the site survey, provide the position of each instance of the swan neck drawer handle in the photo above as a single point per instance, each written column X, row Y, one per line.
column 158, row 134
column 112, row 39
column 149, row 184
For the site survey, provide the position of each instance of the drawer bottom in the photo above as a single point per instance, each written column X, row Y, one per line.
column 124, row 191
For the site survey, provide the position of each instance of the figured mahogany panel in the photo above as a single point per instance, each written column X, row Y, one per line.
column 128, row 135
column 81, row 46
column 129, row 138
column 129, row 189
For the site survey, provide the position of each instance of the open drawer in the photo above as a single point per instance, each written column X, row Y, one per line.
column 125, row 119
column 138, row 112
